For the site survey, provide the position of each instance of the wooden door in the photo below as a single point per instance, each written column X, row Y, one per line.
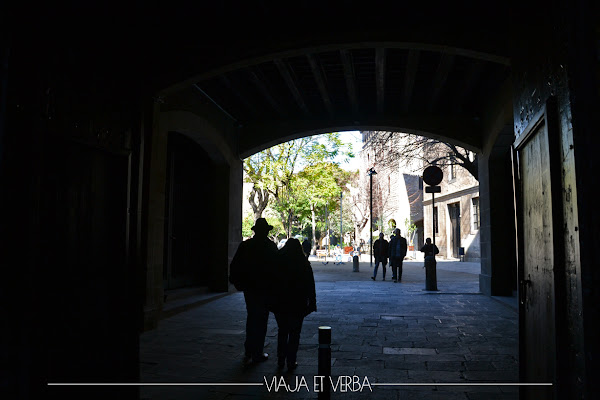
column 537, row 189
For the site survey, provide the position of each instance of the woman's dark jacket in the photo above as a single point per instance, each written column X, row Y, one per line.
column 293, row 286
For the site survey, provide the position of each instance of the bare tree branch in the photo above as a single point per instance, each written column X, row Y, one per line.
column 416, row 152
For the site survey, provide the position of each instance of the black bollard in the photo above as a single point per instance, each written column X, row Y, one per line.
column 325, row 362
column 430, row 273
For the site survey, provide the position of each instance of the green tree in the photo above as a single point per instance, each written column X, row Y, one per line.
column 343, row 179
column 271, row 172
column 410, row 229
column 347, row 217
column 247, row 224
column 316, row 188
column 278, row 230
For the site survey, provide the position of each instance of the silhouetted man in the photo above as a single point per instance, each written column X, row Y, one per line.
column 250, row 271
column 380, row 251
column 429, row 248
column 397, row 252
column 306, row 247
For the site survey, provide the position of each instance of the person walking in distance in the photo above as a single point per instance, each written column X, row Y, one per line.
column 293, row 297
column 250, row 271
column 380, row 251
column 397, row 252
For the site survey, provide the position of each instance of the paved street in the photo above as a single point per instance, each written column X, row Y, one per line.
column 382, row 332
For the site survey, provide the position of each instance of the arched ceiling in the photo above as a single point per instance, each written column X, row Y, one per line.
column 280, row 70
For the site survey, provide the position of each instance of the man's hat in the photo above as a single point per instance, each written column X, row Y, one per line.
column 261, row 224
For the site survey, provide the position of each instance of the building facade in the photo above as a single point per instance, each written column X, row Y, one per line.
column 455, row 215
column 397, row 189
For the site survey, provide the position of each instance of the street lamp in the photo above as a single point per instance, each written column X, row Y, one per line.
column 371, row 172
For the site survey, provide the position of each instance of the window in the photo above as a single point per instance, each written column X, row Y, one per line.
column 452, row 167
column 475, row 202
column 435, row 219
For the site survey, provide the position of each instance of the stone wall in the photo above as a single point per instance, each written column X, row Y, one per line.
column 469, row 237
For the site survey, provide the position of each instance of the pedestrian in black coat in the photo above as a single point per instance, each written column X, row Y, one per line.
column 429, row 248
column 397, row 252
column 380, row 251
column 250, row 270
column 293, row 298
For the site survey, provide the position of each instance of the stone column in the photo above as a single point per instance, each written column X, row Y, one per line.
column 156, row 224
column 485, row 229
column 234, row 222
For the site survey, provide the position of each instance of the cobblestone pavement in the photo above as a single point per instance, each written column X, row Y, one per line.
column 383, row 331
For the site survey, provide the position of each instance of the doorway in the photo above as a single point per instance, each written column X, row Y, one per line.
column 539, row 257
column 186, row 203
column 454, row 214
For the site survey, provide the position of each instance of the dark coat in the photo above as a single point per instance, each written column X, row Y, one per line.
column 398, row 247
column 253, row 264
column 306, row 247
column 428, row 249
column 380, row 249
column 293, row 289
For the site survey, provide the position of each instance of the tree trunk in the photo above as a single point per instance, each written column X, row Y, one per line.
column 284, row 221
column 314, row 228
column 258, row 199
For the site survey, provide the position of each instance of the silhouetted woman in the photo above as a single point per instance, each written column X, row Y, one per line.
column 293, row 298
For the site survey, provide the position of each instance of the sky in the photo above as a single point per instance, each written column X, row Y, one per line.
column 350, row 164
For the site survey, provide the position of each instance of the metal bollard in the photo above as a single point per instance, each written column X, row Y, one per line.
column 325, row 361
column 430, row 273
